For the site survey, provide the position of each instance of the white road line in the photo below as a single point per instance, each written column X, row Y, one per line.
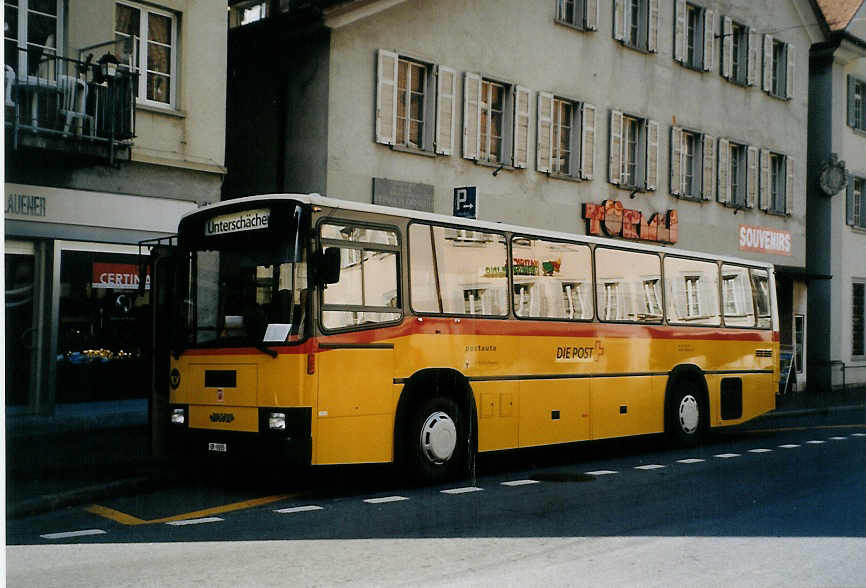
column 727, row 455
column 73, row 534
column 513, row 483
column 690, row 460
column 760, row 450
column 815, row 442
column 858, row 434
column 465, row 490
column 652, row 466
column 600, row 473
column 789, row 446
column 385, row 499
column 838, row 438
column 194, row 521
column 294, row 509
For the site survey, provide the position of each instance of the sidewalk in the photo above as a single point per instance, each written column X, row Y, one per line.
column 89, row 452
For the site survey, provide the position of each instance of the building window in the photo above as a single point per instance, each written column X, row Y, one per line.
column 148, row 41
column 858, row 339
column 563, row 123
column 739, row 53
column 495, row 121
column 31, row 33
column 247, row 12
column 737, row 174
column 777, row 183
column 566, row 137
column 692, row 164
column 633, row 152
column 856, row 202
column 694, row 37
column 636, row 23
column 414, row 104
column 856, row 103
column 652, row 298
column 580, row 14
column 778, row 68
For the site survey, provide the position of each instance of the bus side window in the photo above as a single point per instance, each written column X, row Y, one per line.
column 761, row 293
column 551, row 279
column 628, row 286
column 737, row 300
column 692, row 291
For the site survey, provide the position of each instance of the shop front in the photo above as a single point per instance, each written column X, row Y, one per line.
column 77, row 322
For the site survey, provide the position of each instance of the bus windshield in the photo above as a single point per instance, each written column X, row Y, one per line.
column 245, row 297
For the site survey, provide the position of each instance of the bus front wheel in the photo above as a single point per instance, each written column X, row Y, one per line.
column 686, row 414
column 436, row 441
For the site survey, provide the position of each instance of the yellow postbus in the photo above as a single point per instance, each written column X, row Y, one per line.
column 311, row 330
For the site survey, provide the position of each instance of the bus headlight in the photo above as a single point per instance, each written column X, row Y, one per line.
column 277, row 421
column 178, row 416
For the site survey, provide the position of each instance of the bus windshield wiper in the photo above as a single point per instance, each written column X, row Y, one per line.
column 266, row 350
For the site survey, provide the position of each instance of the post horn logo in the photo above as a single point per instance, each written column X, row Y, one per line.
column 174, row 379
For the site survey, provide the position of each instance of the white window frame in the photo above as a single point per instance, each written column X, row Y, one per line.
column 740, row 45
column 855, row 214
column 645, row 152
column 644, row 25
column 514, row 133
column 856, row 103
column 23, row 40
column 139, row 56
column 581, row 137
column 694, row 35
column 778, row 76
column 584, row 14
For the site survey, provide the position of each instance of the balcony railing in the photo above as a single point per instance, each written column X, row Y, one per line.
column 70, row 105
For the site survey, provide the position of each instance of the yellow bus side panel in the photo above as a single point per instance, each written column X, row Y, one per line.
column 643, row 399
column 498, row 408
column 243, row 418
column 355, row 382
column 359, row 439
column 554, row 411
column 243, row 394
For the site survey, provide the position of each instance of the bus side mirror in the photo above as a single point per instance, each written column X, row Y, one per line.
column 328, row 269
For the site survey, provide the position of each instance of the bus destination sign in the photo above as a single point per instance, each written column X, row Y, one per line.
column 248, row 220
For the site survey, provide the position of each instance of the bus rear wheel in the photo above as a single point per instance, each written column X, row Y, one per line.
column 435, row 441
column 686, row 414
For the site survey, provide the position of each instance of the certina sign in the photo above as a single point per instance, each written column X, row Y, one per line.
column 765, row 240
column 248, row 220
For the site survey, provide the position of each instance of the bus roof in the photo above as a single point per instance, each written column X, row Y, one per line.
column 325, row 201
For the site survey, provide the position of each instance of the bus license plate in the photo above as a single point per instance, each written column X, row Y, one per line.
column 221, row 447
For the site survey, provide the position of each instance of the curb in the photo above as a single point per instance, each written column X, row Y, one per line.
column 810, row 411
column 78, row 496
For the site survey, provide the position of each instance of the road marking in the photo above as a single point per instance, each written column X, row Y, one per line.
column 858, row 434
column 789, row 446
column 465, row 490
column 838, row 438
column 811, row 428
column 815, row 442
column 195, row 521
column 519, row 483
column 68, row 534
column 652, row 466
column 385, row 499
column 295, row 509
column 727, row 455
column 690, row 460
column 761, row 450
column 600, row 473
column 126, row 519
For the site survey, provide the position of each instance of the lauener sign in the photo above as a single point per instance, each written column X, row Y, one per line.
column 617, row 221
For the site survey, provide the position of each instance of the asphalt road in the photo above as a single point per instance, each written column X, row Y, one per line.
column 783, row 504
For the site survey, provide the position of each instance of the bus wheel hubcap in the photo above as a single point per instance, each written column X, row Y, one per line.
column 689, row 414
column 438, row 437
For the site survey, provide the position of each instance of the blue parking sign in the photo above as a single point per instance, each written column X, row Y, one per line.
column 466, row 202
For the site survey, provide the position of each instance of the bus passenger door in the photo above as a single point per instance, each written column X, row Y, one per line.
column 355, row 403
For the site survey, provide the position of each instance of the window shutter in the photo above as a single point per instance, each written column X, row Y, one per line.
column 724, row 188
column 708, row 184
column 587, row 142
column 789, row 185
column 752, row 62
column 619, row 20
column 652, row 40
column 521, row 126
column 709, row 39
column 676, row 161
column 591, row 15
column 789, row 73
column 615, row 146
column 849, row 208
column 445, row 93
column 386, row 97
column 652, row 155
column 471, row 115
column 852, row 122
column 727, row 47
column 544, row 146
column 751, row 176
column 680, row 30
column 764, row 195
column 768, row 63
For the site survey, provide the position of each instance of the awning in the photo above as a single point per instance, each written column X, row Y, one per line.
column 792, row 272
